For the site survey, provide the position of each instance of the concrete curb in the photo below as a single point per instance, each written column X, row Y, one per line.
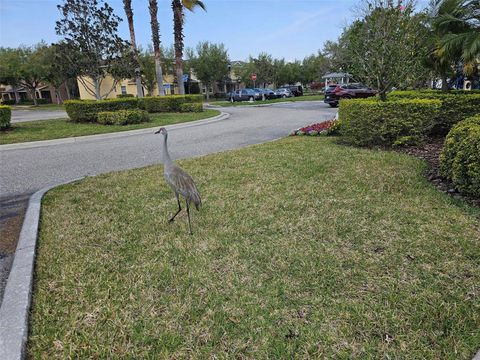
column 477, row 357
column 34, row 144
column 18, row 291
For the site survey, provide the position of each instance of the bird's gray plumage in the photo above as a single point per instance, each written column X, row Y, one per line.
column 179, row 181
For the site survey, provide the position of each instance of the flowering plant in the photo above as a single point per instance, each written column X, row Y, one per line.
column 315, row 129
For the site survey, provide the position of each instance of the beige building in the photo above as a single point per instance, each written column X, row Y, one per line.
column 44, row 91
column 109, row 89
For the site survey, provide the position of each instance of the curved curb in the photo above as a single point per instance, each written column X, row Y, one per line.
column 17, row 297
column 33, row 144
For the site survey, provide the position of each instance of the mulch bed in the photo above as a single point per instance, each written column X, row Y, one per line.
column 430, row 152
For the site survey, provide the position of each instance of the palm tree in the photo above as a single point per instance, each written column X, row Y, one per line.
column 127, row 5
column 458, row 21
column 153, row 7
column 178, row 19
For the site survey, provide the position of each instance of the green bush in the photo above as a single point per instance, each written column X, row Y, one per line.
column 8, row 102
column 460, row 158
column 87, row 110
column 367, row 122
column 191, row 107
column 172, row 103
column 123, row 117
column 5, row 116
column 123, row 96
column 456, row 106
column 196, row 98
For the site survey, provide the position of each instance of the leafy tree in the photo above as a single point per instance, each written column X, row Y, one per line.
column 210, row 63
column 9, row 69
column 58, row 59
column 178, row 21
column 153, row 8
column 32, row 68
column 127, row 5
column 146, row 59
column 386, row 46
column 89, row 28
column 314, row 67
column 457, row 22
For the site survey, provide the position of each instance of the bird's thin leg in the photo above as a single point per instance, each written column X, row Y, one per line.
column 179, row 209
column 189, row 224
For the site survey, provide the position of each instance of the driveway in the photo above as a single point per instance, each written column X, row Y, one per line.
column 24, row 171
column 31, row 115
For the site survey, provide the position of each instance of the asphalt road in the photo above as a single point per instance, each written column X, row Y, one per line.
column 31, row 115
column 23, row 171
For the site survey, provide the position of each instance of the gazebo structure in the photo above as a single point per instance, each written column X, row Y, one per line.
column 337, row 78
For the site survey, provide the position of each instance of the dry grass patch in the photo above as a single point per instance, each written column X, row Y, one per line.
column 304, row 249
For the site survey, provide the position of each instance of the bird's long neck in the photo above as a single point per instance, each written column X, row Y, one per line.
column 166, row 156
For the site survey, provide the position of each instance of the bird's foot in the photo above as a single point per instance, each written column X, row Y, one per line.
column 171, row 221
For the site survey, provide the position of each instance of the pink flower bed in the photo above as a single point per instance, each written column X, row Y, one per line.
column 314, row 129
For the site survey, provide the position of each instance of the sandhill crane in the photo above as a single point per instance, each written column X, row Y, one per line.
column 179, row 181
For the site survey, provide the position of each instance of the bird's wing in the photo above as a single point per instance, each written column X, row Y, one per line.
column 184, row 184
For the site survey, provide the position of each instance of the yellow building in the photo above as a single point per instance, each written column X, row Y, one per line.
column 109, row 90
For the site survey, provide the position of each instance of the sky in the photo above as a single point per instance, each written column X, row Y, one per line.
column 290, row 29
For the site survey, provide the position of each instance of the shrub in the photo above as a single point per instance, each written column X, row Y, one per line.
column 368, row 122
column 460, row 158
column 8, row 102
column 87, row 110
column 123, row 117
column 170, row 103
column 5, row 116
column 456, row 106
column 122, row 96
column 191, row 107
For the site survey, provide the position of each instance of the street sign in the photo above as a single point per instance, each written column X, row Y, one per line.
column 254, row 77
column 185, row 77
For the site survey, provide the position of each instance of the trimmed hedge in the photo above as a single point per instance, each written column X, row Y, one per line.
column 123, row 117
column 5, row 116
column 87, row 110
column 460, row 158
column 191, row 107
column 170, row 103
column 8, row 102
column 456, row 106
column 367, row 122
column 123, row 96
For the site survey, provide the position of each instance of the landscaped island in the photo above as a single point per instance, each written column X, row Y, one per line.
column 303, row 248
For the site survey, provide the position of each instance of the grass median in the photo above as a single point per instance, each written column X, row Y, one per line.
column 303, row 249
column 63, row 128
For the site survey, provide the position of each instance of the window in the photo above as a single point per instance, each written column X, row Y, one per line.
column 124, row 90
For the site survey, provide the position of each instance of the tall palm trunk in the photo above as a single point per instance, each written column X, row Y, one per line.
column 177, row 8
column 127, row 5
column 156, row 44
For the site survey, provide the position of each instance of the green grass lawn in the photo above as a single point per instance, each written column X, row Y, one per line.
column 63, row 128
column 303, row 249
column 247, row 103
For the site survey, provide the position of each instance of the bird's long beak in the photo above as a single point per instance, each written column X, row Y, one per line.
column 157, row 132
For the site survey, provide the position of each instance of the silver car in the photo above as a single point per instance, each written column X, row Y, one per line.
column 283, row 93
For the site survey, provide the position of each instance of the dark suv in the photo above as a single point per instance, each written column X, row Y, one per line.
column 334, row 93
column 242, row 95
column 295, row 90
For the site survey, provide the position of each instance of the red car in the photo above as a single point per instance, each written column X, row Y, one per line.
column 335, row 93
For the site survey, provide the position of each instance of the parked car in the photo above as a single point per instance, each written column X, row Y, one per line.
column 242, row 95
column 296, row 90
column 283, row 93
column 334, row 93
column 267, row 93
